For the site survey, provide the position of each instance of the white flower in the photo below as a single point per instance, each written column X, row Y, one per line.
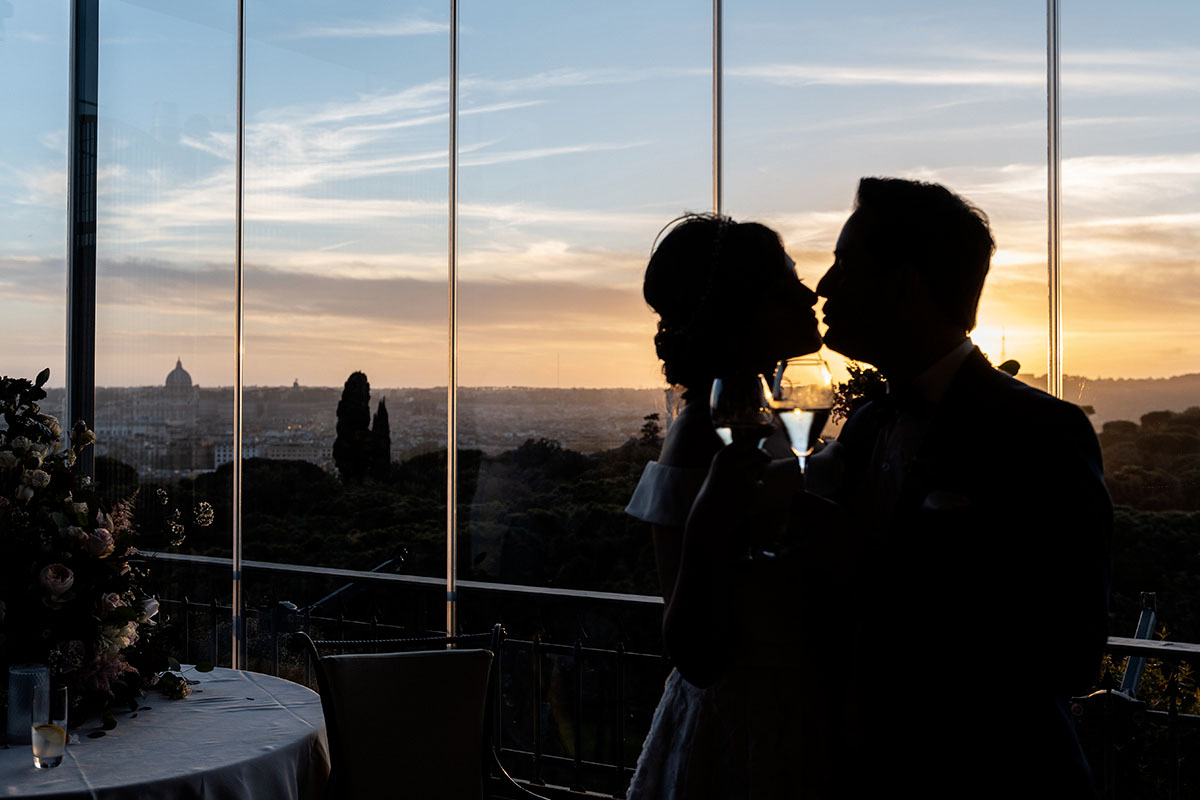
column 7, row 459
column 100, row 543
column 24, row 493
column 52, row 423
column 20, row 444
column 56, row 579
column 37, row 478
column 111, row 602
column 115, row 638
column 149, row 610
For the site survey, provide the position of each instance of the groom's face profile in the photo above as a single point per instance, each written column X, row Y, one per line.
column 861, row 295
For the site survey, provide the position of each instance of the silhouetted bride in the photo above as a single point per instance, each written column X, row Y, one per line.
column 728, row 725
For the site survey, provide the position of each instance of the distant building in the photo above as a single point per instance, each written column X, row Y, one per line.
column 180, row 399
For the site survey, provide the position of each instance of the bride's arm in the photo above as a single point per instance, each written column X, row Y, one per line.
column 699, row 626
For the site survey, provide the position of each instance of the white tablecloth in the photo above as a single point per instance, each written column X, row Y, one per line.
column 239, row 735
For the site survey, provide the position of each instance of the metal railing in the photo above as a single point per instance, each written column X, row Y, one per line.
column 549, row 689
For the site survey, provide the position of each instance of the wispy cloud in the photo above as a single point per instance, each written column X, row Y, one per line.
column 370, row 29
column 564, row 78
column 25, row 36
column 1107, row 72
column 797, row 74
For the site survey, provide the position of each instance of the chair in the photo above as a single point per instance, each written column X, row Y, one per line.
column 412, row 723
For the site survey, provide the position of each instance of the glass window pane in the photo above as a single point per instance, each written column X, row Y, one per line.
column 33, row 189
column 346, row 205
column 1131, row 297
column 819, row 95
column 165, row 280
column 585, row 128
column 584, row 131
column 1131, row 210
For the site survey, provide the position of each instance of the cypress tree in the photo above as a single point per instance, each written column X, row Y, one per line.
column 381, row 444
column 352, row 446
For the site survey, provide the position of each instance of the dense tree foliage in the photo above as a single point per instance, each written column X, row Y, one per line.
column 1154, row 465
column 380, row 464
column 352, row 448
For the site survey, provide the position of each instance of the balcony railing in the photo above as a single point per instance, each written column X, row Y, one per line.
column 572, row 714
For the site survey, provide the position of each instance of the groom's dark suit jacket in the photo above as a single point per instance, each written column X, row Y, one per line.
column 982, row 595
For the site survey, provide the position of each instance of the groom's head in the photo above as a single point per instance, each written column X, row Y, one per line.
column 910, row 263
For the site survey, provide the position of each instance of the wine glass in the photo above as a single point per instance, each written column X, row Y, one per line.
column 740, row 410
column 802, row 398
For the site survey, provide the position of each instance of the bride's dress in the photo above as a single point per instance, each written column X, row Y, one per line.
column 742, row 737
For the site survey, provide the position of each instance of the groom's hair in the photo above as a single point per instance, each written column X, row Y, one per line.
column 930, row 229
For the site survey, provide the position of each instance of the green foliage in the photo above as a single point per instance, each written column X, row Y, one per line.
column 651, row 433
column 1154, row 465
column 1156, row 552
column 865, row 384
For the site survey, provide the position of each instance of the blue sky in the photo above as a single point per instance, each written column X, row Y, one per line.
column 584, row 128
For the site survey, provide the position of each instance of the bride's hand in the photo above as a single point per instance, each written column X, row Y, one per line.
column 724, row 509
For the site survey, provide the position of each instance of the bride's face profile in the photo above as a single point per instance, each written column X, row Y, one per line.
column 788, row 319
column 801, row 311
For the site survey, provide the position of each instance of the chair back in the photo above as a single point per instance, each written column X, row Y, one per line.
column 405, row 724
column 415, row 723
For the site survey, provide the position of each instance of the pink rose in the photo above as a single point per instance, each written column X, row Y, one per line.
column 111, row 602
column 100, row 543
column 56, row 579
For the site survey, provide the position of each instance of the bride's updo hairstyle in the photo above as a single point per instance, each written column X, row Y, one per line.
column 707, row 280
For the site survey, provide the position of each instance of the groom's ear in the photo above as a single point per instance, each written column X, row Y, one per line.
column 914, row 295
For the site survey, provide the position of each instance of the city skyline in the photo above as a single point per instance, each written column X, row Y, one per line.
column 574, row 150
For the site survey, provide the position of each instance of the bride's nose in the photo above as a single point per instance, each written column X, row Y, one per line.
column 807, row 295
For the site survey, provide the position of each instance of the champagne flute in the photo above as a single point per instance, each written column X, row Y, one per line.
column 802, row 399
column 740, row 410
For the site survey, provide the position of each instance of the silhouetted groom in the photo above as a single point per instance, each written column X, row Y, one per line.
column 983, row 602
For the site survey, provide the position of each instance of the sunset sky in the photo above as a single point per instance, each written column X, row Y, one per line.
column 584, row 128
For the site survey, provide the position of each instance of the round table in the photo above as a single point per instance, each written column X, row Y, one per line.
column 239, row 735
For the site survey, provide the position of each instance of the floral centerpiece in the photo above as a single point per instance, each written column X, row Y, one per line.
column 73, row 586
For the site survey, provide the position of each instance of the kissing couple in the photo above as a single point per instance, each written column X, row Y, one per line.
column 945, row 586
